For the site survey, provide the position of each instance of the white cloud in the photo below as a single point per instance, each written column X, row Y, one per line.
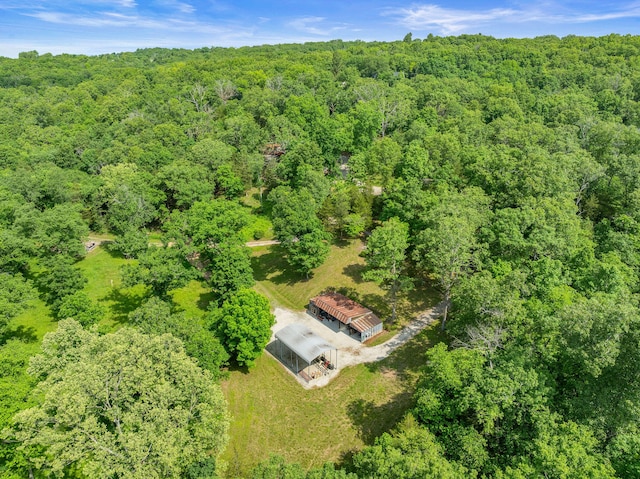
column 100, row 19
column 309, row 25
column 631, row 12
column 119, row 20
column 451, row 21
column 181, row 7
column 126, row 3
column 185, row 8
column 11, row 5
column 316, row 26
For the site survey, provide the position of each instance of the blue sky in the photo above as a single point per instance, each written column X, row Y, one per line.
column 105, row 26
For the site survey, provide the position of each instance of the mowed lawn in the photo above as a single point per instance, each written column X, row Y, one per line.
column 273, row 414
column 342, row 271
column 102, row 270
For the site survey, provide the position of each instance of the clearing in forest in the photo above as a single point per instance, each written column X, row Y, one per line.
column 272, row 414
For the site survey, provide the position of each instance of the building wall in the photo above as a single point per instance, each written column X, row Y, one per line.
column 377, row 329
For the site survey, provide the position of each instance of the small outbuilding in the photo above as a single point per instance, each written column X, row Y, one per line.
column 306, row 353
column 359, row 321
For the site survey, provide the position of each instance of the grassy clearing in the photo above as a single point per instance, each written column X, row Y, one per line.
column 342, row 271
column 194, row 299
column 251, row 199
column 260, row 227
column 33, row 324
column 273, row 414
column 102, row 270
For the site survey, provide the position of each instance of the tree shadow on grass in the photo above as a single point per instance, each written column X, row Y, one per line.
column 341, row 242
column 345, row 461
column 24, row 334
column 207, row 299
column 123, row 302
column 107, row 245
column 371, row 420
column 235, row 367
column 408, row 361
column 354, row 271
column 420, row 297
column 272, row 266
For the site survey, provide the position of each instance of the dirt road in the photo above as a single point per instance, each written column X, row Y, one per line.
column 250, row 244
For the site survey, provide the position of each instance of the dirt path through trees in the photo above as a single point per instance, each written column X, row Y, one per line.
column 97, row 240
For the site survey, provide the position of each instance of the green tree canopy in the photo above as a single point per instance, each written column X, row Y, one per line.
column 128, row 196
column 124, row 404
column 80, row 307
column 228, row 268
column 156, row 316
column 448, row 247
column 411, row 452
column 243, row 324
column 161, row 269
column 385, row 257
column 61, row 278
column 298, row 228
column 15, row 296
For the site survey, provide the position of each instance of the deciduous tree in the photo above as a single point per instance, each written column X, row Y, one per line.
column 122, row 405
column 446, row 247
column 80, row 307
column 161, row 269
column 59, row 280
column 229, row 268
column 155, row 316
column 385, row 257
column 243, row 324
column 298, row 228
column 15, row 296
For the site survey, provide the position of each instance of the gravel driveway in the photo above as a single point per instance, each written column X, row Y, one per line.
column 350, row 350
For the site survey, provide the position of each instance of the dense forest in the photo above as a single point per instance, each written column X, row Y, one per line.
column 509, row 180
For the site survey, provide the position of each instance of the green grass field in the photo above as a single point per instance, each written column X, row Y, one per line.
column 272, row 413
column 102, row 270
column 343, row 271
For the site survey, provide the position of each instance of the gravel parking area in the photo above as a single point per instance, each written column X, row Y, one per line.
column 350, row 350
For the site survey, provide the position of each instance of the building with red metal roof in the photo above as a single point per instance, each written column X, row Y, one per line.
column 359, row 320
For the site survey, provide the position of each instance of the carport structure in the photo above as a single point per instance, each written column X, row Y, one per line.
column 306, row 353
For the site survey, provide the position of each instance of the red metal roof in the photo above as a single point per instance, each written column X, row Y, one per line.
column 365, row 323
column 346, row 311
